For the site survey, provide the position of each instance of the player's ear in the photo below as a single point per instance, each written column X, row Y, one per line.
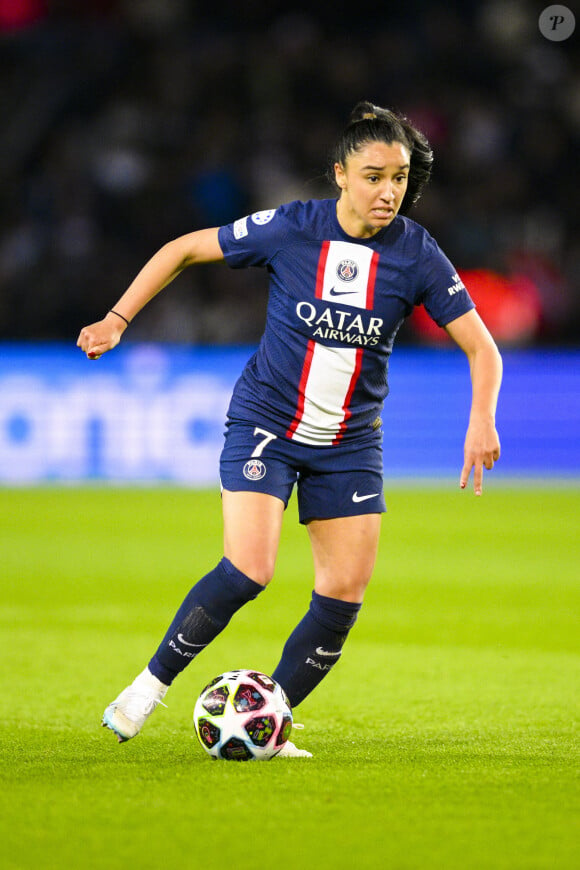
column 340, row 175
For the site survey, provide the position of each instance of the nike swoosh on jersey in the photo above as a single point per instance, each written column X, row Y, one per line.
column 333, row 292
column 356, row 497
column 323, row 652
column 182, row 640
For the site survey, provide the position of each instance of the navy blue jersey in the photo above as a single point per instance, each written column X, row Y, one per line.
column 335, row 305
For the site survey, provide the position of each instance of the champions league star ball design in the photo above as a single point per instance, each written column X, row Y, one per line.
column 243, row 716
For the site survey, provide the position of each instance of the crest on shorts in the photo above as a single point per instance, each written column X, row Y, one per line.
column 254, row 469
column 347, row 270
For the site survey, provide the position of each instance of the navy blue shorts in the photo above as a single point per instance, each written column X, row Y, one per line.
column 341, row 481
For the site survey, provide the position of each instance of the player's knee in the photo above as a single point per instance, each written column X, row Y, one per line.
column 344, row 587
column 258, row 568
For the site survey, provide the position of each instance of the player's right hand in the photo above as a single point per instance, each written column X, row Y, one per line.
column 98, row 338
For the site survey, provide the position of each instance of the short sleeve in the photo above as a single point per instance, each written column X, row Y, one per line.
column 253, row 240
column 442, row 291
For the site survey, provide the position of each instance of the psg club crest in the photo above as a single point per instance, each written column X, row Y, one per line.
column 347, row 270
column 254, row 469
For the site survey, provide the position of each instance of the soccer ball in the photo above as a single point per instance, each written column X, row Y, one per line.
column 243, row 716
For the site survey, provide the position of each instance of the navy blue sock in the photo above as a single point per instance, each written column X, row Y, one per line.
column 314, row 646
column 206, row 611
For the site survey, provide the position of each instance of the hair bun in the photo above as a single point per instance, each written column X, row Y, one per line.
column 364, row 111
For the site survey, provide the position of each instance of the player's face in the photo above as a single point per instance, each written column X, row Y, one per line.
column 373, row 184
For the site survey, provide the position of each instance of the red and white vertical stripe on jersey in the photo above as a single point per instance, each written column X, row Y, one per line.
column 330, row 374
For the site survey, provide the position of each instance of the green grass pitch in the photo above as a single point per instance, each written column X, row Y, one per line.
column 445, row 737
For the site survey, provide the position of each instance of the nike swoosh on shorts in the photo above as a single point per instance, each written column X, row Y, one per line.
column 356, row 497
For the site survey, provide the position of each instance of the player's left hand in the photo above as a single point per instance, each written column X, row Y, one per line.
column 481, row 450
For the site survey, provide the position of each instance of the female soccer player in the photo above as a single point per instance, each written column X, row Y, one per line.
column 344, row 273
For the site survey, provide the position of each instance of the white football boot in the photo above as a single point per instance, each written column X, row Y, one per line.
column 127, row 714
column 289, row 750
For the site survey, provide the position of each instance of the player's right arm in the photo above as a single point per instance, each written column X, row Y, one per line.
column 201, row 246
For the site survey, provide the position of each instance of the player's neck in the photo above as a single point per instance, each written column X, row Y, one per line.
column 352, row 223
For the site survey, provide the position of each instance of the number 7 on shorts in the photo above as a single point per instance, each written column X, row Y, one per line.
column 268, row 436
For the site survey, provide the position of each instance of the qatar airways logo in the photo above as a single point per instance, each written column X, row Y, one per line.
column 346, row 327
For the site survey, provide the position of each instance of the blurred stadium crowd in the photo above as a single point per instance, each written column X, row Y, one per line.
column 129, row 122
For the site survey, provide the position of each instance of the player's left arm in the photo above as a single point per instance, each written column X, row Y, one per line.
column 482, row 446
